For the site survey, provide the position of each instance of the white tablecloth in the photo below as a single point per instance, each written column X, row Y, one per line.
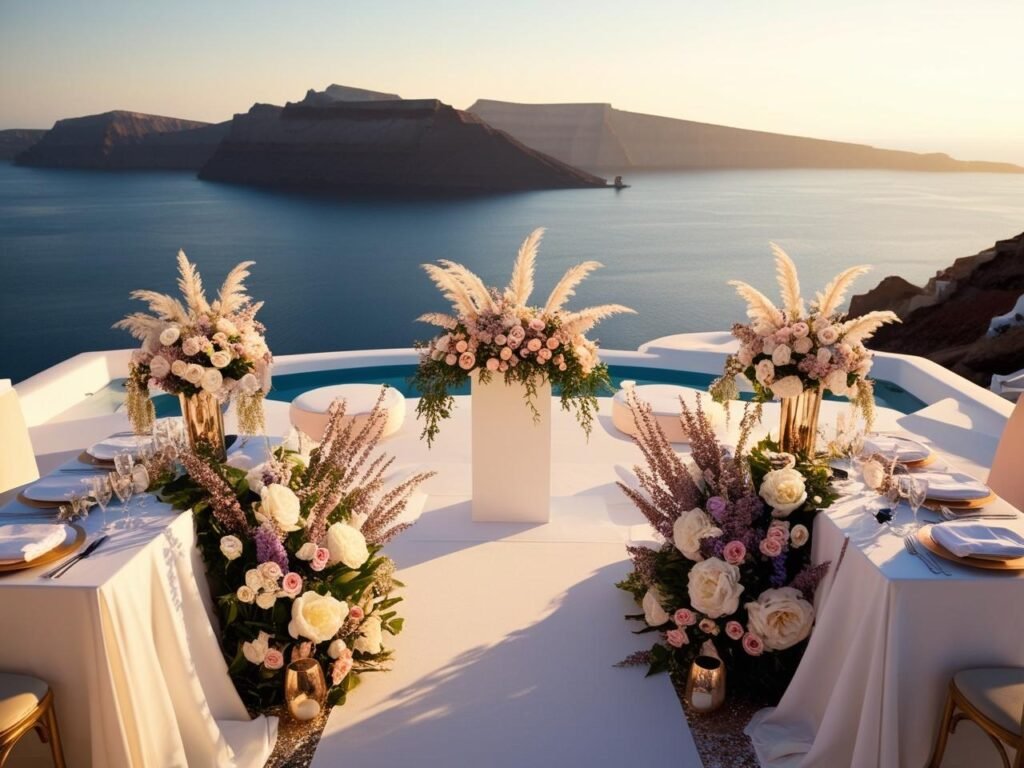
column 126, row 644
column 889, row 635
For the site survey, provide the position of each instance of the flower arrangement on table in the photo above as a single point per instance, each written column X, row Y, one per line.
column 198, row 347
column 293, row 550
column 497, row 333
column 785, row 351
column 735, row 568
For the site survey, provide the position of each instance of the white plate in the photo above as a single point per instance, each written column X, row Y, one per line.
column 14, row 537
column 953, row 486
column 903, row 449
column 56, row 487
column 106, row 450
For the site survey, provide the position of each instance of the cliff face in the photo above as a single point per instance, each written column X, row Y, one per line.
column 16, row 140
column 333, row 93
column 125, row 140
column 948, row 320
column 381, row 145
column 599, row 136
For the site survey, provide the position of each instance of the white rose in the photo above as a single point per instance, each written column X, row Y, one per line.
column 690, row 528
column 253, row 580
column 370, row 637
column 336, row 648
column 169, row 335
column 780, row 617
column 654, row 613
column 803, row 346
column 781, row 355
column 347, row 545
column 178, row 368
column 266, row 600
column 799, row 536
column 256, row 651
column 194, row 373
column 783, row 490
column 828, row 335
column 306, row 551
column 714, row 587
column 835, row 381
column 231, row 547
column 270, row 571
column 764, row 372
column 245, row 595
column 787, row 386
column 212, row 380
column 280, row 504
column 248, row 383
column 220, row 359
column 159, row 366
column 191, row 346
column 316, row 617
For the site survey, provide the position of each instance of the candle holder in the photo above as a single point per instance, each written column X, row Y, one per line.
column 705, row 685
column 305, row 689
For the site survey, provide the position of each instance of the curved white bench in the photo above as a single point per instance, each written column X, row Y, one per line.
column 308, row 411
column 665, row 407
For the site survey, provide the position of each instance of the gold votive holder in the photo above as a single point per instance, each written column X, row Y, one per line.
column 305, row 689
column 705, row 685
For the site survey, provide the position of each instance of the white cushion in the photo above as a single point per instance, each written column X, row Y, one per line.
column 997, row 691
column 665, row 407
column 19, row 696
column 309, row 410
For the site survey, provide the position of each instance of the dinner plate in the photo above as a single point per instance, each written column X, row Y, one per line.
column 924, row 535
column 108, row 448
column 74, row 541
column 54, row 489
column 903, row 449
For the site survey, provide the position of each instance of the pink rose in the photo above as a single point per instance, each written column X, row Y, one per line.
column 734, row 630
column 274, row 659
column 461, row 346
column 563, row 367
column 505, row 353
column 291, row 585
column 536, row 324
column 552, row 343
column 493, row 363
column 320, row 559
column 676, row 638
column 451, row 359
column 356, row 613
column 544, row 354
column 735, row 552
column 779, row 532
column 771, row 547
column 467, row 360
column 753, row 644
column 503, row 367
column 500, row 339
column 684, row 617
column 516, row 334
column 340, row 669
column 533, row 345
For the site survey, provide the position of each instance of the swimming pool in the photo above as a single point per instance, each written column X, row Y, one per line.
column 289, row 386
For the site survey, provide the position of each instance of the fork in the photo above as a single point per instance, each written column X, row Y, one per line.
column 924, row 557
column 949, row 514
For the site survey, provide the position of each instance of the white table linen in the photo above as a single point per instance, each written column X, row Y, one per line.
column 125, row 640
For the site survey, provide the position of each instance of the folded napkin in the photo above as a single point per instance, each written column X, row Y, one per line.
column 27, row 541
column 902, row 448
column 966, row 538
column 108, row 448
column 953, row 486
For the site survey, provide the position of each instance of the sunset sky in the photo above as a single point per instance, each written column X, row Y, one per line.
column 924, row 75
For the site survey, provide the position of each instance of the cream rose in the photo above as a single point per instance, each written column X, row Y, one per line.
column 780, row 617
column 212, row 380
column 248, row 383
column 307, row 551
column 280, row 504
column 783, row 490
column 191, row 346
column 169, row 335
column 788, row 386
column 764, row 372
column 316, row 617
column 159, row 366
column 179, row 368
column 220, row 359
column 654, row 614
column 714, row 587
column 347, row 545
column 690, row 528
column 245, row 594
column 799, row 536
column 803, row 346
column 194, row 374
column 231, row 547
column 255, row 651
column 781, row 355
column 370, row 639
column 835, row 381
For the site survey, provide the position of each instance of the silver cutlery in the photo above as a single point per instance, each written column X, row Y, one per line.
column 64, row 567
column 930, row 562
column 949, row 514
column 94, row 470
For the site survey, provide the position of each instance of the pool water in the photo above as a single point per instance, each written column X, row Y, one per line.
column 289, row 386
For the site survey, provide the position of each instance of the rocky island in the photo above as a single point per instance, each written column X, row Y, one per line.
column 383, row 143
column 121, row 140
column 16, row 140
column 598, row 136
column 965, row 318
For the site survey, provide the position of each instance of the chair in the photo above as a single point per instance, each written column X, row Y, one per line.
column 992, row 698
column 309, row 415
column 1006, row 478
column 26, row 704
column 17, row 460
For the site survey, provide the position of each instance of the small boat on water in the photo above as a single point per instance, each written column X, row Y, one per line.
column 618, row 183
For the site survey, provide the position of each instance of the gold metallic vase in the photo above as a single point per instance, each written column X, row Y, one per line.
column 305, row 689
column 798, row 424
column 705, row 685
column 204, row 422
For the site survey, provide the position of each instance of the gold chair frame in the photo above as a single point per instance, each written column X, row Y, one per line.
column 996, row 733
column 43, row 720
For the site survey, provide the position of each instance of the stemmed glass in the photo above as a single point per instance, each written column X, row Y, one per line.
column 123, row 487
column 123, row 463
column 100, row 492
column 915, row 490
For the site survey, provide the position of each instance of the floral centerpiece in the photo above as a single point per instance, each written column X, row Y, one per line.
column 293, row 550
column 735, row 568
column 799, row 348
column 497, row 333
column 206, row 352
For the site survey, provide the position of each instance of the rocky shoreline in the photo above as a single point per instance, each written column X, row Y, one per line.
column 948, row 320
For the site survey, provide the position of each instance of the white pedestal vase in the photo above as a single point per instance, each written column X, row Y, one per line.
column 511, row 453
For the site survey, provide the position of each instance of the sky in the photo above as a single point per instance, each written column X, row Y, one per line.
column 923, row 75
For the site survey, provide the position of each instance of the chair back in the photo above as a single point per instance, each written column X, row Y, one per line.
column 17, row 459
column 1007, row 475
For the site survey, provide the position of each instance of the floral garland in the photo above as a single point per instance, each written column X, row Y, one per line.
column 735, row 570
column 497, row 333
column 293, row 550
column 785, row 351
column 200, row 346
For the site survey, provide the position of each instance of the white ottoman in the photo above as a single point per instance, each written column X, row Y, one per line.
column 309, row 410
column 665, row 407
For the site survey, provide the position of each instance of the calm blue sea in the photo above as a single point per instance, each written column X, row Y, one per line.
column 343, row 273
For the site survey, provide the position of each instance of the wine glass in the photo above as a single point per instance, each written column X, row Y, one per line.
column 123, row 488
column 915, row 489
column 123, row 463
column 101, row 492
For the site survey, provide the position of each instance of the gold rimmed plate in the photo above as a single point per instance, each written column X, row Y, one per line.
column 924, row 535
column 70, row 545
column 965, row 504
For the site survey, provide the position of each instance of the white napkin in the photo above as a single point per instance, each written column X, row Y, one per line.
column 902, row 448
column 27, row 541
column 953, row 486
column 108, row 448
column 965, row 538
